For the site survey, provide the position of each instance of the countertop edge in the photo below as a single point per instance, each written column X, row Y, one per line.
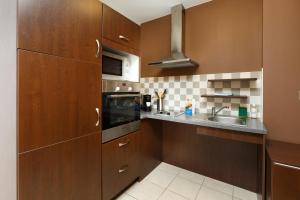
column 205, row 123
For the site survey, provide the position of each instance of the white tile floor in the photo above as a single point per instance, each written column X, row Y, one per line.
column 168, row 182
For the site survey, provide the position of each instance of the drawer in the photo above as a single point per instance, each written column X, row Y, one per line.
column 120, row 164
column 285, row 182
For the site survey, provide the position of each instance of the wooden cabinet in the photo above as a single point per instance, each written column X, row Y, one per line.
column 283, row 171
column 120, row 164
column 150, row 145
column 65, row 171
column 58, row 98
column 67, row 28
column 119, row 29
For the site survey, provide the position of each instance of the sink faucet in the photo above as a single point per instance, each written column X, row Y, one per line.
column 214, row 112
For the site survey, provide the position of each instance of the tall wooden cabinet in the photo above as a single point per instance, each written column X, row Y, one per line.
column 59, row 91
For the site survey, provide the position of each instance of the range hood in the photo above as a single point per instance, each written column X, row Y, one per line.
column 178, row 59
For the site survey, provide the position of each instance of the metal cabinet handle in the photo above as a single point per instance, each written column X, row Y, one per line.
column 98, row 48
column 98, row 114
column 285, row 165
column 123, row 169
column 122, row 37
column 122, row 144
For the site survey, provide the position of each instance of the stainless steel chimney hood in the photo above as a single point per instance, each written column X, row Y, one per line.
column 178, row 59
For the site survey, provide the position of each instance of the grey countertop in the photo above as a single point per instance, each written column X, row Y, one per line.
column 252, row 125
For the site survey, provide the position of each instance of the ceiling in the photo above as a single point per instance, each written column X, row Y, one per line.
column 141, row 11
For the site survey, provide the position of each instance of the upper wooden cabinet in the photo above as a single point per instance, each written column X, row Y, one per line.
column 58, row 98
column 119, row 29
column 67, row 28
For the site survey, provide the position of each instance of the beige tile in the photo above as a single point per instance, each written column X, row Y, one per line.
column 169, row 195
column 161, row 177
column 244, row 194
column 145, row 191
column 168, row 168
column 125, row 197
column 210, row 194
column 194, row 177
column 184, row 187
column 218, row 185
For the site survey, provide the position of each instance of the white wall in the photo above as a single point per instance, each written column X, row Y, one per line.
column 8, row 100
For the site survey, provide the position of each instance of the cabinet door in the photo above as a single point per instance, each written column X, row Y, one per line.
column 150, row 145
column 120, row 29
column 285, row 182
column 120, row 164
column 58, row 98
column 67, row 28
column 66, row 171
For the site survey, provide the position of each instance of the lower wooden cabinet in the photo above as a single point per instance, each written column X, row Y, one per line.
column 150, row 146
column 120, row 162
column 69, row 170
column 283, row 171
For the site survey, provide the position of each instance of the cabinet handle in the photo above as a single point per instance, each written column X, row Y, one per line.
column 98, row 48
column 98, row 118
column 285, row 165
column 122, row 144
column 123, row 169
column 123, row 38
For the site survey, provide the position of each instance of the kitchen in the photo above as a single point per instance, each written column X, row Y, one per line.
column 190, row 99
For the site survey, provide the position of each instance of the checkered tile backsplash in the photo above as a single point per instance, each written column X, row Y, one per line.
column 181, row 88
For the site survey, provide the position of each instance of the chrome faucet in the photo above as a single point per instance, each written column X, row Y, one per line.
column 214, row 112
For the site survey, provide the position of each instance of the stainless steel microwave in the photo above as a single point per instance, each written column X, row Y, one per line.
column 113, row 66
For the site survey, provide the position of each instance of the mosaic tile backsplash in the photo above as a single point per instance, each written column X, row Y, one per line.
column 181, row 88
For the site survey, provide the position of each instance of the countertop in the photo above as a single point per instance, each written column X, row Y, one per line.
column 252, row 125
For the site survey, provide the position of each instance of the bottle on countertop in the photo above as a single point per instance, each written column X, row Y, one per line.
column 253, row 111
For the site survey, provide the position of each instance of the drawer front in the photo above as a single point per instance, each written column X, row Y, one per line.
column 120, row 164
column 286, row 182
column 120, row 29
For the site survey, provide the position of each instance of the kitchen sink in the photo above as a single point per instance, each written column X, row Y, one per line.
column 228, row 120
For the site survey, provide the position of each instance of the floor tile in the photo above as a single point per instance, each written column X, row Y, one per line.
column 168, row 168
column 145, row 191
column 184, row 187
column 218, row 185
column 197, row 178
column 244, row 194
column 125, row 197
column 169, row 195
column 210, row 194
column 161, row 177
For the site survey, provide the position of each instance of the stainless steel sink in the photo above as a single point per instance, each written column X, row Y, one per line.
column 228, row 120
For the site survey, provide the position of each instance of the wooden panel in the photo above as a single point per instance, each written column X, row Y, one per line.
column 69, row 170
column 116, row 25
column 57, row 99
column 231, row 135
column 67, row 28
column 120, row 154
column 151, row 146
column 284, row 152
column 230, row 161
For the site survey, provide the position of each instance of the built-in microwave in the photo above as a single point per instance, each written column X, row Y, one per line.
column 113, row 66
